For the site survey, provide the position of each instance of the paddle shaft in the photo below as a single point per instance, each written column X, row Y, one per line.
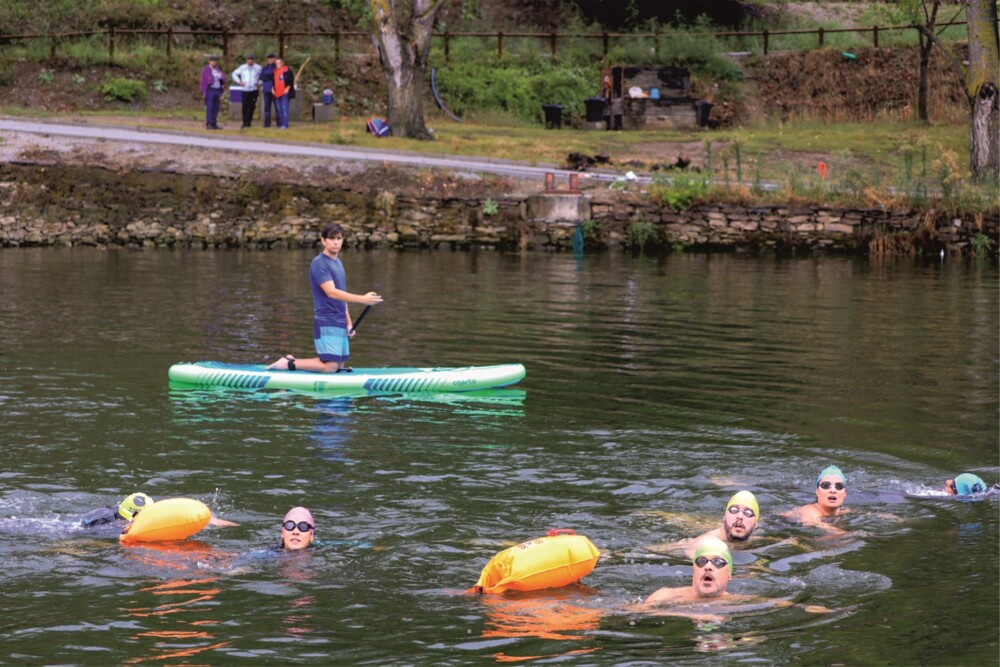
column 357, row 322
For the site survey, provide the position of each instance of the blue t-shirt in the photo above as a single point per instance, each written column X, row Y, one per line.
column 328, row 312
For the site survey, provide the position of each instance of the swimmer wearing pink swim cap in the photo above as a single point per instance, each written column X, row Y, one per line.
column 297, row 529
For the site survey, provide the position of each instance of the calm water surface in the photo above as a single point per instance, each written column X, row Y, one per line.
column 656, row 388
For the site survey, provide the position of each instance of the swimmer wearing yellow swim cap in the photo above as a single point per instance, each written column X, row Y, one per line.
column 738, row 523
column 126, row 511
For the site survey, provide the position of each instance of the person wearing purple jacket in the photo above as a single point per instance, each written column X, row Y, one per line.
column 213, row 81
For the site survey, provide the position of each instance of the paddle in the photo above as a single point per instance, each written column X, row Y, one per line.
column 357, row 322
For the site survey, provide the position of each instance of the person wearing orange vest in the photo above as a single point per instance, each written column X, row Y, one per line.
column 284, row 91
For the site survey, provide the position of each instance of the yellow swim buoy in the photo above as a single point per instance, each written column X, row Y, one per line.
column 559, row 559
column 171, row 519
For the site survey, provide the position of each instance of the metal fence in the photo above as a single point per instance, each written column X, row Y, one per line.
column 553, row 39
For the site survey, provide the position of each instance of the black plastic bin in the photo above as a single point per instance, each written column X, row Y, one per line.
column 595, row 109
column 553, row 115
column 702, row 109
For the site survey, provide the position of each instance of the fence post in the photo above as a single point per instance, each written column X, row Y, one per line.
column 447, row 47
column 52, row 47
column 767, row 38
column 336, row 46
column 281, row 44
column 875, row 36
column 604, row 38
column 656, row 42
column 552, row 43
column 820, row 31
column 225, row 43
column 170, row 42
column 500, row 44
column 111, row 44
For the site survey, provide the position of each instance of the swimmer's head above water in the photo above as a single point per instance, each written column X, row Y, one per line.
column 297, row 529
column 131, row 506
column 831, row 489
column 966, row 484
column 713, row 567
column 742, row 514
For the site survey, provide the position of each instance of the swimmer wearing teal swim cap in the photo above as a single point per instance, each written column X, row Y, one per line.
column 968, row 484
column 831, row 492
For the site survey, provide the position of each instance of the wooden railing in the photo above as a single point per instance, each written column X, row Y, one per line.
column 169, row 35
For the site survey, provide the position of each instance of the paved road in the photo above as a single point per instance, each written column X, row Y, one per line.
column 460, row 164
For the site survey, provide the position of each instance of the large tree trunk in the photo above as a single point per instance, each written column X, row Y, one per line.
column 926, row 44
column 401, row 32
column 982, row 88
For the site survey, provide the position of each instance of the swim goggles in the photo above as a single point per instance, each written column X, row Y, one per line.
column 303, row 526
column 747, row 512
column 718, row 562
column 837, row 485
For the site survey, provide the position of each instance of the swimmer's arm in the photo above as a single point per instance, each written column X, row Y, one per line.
column 216, row 522
column 659, row 597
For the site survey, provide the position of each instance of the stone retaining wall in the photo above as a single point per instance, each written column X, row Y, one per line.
column 67, row 206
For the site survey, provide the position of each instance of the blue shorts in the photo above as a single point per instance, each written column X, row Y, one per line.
column 332, row 343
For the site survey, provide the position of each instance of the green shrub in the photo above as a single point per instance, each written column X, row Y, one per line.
column 640, row 234
column 124, row 90
column 681, row 192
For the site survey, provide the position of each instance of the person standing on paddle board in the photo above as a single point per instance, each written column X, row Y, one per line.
column 332, row 328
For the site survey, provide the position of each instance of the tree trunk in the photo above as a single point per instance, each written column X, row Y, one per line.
column 926, row 44
column 982, row 88
column 403, row 39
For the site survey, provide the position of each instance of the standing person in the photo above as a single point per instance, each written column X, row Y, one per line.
column 284, row 91
column 332, row 328
column 831, row 492
column 213, row 80
column 267, row 87
column 246, row 78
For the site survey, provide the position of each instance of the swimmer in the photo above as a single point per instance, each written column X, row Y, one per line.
column 713, row 567
column 968, row 484
column 738, row 523
column 128, row 509
column 831, row 492
column 297, row 529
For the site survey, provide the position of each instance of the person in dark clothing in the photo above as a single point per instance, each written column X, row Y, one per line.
column 267, row 87
column 126, row 511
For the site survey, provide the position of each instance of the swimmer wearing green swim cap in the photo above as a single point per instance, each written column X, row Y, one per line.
column 712, row 570
column 831, row 492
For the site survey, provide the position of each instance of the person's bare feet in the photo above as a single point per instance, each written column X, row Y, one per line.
column 287, row 362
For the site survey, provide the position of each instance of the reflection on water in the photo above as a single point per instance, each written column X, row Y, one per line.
column 656, row 388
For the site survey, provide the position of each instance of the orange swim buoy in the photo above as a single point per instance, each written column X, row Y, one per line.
column 171, row 519
column 558, row 559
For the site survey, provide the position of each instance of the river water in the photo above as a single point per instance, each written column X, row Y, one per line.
column 656, row 388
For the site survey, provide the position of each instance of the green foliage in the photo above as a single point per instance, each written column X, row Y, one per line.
column 519, row 89
column 681, row 192
column 46, row 77
column 680, row 48
column 981, row 244
column 159, row 86
column 122, row 89
column 490, row 207
column 640, row 234
column 79, row 79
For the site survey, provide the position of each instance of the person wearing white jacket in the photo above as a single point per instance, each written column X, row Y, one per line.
column 246, row 78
